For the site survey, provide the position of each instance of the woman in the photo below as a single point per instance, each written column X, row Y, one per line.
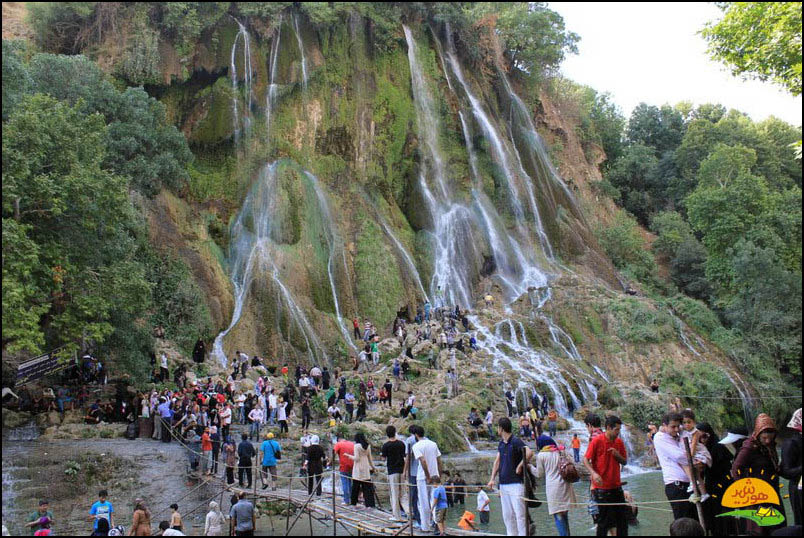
column 361, row 471
column 560, row 495
column 758, row 457
column 141, row 520
column 315, row 463
column 175, row 518
column 215, row 521
column 230, row 458
column 714, row 475
column 791, row 464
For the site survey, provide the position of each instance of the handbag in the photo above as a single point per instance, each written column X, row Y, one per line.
column 566, row 468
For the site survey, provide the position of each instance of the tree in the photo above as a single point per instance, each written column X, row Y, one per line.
column 632, row 174
column 759, row 40
column 80, row 220
column 16, row 80
column 660, row 128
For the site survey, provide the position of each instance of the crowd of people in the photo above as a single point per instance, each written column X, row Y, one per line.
column 200, row 414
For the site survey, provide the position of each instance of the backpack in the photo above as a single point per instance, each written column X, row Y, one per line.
column 566, row 468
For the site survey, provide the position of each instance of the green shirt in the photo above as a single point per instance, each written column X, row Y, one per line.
column 36, row 515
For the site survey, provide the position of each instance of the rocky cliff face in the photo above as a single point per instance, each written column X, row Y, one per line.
column 336, row 181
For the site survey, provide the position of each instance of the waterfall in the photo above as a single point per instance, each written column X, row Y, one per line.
column 251, row 249
column 331, row 242
column 455, row 244
column 247, row 78
column 301, row 50
column 405, row 256
column 270, row 98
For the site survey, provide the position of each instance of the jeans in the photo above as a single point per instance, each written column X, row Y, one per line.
column 398, row 495
column 551, row 426
column 610, row 515
column 484, row 517
column 577, row 453
column 346, row 486
column 413, row 496
column 491, row 431
column 272, row 417
column 425, row 492
column 205, row 460
column 513, row 508
column 255, row 430
column 562, row 523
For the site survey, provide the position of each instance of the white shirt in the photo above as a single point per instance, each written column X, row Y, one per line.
column 255, row 415
column 172, row 532
column 272, row 401
column 164, row 360
column 281, row 411
column 315, row 372
column 428, row 451
column 482, row 499
column 303, row 382
column 672, row 456
column 489, row 418
column 411, row 400
column 332, row 410
column 226, row 416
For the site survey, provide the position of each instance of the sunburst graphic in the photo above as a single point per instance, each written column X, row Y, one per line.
column 752, row 497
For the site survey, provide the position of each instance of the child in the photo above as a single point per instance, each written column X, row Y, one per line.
column 439, row 504
column 576, row 447
column 700, row 454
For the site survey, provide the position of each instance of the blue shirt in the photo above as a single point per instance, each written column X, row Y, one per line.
column 269, row 449
column 164, row 410
column 440, row 497
column 510, row 456
column 103, row 509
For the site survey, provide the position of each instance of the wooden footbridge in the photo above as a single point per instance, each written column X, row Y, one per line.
column 328, row 508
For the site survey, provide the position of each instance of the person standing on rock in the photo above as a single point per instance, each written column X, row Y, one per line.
column 164, row 374
column 356, row 325
column 199, row 351
column 509, row 402
column 510, row 465
column 426, row 310
column 603, row 458
column 226, row 419
column 552, row 417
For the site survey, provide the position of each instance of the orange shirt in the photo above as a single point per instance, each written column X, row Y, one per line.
column 576, row 443
column 552, row 415
column 466, row 519
column 206, row 443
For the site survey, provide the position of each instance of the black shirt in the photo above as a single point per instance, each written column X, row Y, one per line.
column 394, row 452
column 315, row 459
column 245, row 452
column 510, row 457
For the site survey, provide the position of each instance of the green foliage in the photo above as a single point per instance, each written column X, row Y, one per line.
column 672, row 230
column 179, row 305
column 624, row 245
column 531, row 34
column 766, row 305
column 379, row 285
column 140, row 143
column 77, row 214
column 16, row 80
column 760, row 40
column 707, row 390
column 183, row 22
column 633, row 175
column 638, row 322
column 57, row 25
column 695, row 314
column 640, row 410
column 659, row 128
column 140, row 61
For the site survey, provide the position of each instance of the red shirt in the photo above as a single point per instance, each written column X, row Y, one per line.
column 342, row 448
column 206, row 443
column 604, row 463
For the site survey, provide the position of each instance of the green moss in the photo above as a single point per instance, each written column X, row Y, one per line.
column 695, row 314
column 639, row 322
column 594, row 321
column 218, row 122
column 380, row 291
column 212, row 178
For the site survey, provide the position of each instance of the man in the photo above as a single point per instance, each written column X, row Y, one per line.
column 226, row 419
column 389, row 387
column 473, row 419
column 166, row 413
column 510, row 466
column 164, row 374
column 429, row 459
column 490, row 423
column 603, row 458
column 356, row 325
column 509, row 402
column 243, row 518
column 36, row 517
column 102, row 509
column 672, row 456
column 343, row 449
column 272, row 407
column 394, row 453
column 245, row 451
column 271, row 451
column 410, row 471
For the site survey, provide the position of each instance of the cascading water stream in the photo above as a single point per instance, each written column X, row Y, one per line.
column 301, row 50
column 247, row 78
column 323, row 206
column 252, row 250
column 270, row 98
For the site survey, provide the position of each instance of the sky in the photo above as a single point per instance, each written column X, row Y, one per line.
column 650, row 52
